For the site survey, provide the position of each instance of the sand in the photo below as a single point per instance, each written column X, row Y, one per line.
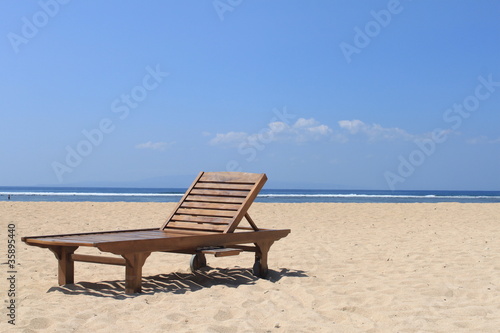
column 344, row 268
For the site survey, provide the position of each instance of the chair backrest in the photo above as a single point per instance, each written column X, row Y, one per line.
column 216, row 202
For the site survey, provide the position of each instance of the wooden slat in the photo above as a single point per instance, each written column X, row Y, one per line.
column 230, row 193
column 209, row 205
column 201, row 219
column 56, row 241
column 116, row 237
column 196, row 226
column 137, row 235
column 182, row 200
column 207, row 198
column 206, row 212
column 217, row 195
column 224, row 186
column 107, row 237
column 230, row 177
column 111, row 237
column 187, row 232
column 98, row 259
column 91, row 238
column 222, row 252
column 152, row 230
column 245, row 248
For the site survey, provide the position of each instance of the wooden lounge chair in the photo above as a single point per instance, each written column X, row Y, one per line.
column 205, row 221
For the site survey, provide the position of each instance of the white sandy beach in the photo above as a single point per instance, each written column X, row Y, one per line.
column 343, row 268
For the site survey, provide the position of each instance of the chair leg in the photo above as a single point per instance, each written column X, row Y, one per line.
column 66, row 265
column 260, row 268
column 133, row 271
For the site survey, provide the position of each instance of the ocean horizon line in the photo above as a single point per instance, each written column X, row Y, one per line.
column 112, row 194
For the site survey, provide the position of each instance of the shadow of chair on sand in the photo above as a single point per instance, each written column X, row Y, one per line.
column 176, row 283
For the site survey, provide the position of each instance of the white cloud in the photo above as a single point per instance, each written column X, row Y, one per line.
column 320, row 130
column 353, row 126
column 305, row 123
column 277, row 126
column 374, row 132
column 229, row 138
column 154, row 145
column 301, row 131
column 309, row 129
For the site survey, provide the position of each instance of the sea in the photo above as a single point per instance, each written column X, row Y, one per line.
column 110, row 194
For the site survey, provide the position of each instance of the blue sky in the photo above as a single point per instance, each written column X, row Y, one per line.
column 317, row 94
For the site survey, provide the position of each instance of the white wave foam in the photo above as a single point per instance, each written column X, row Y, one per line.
column 395, row 196
column 96, row 194
column 269, row 195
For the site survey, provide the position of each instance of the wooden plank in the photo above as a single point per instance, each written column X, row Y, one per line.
column 201, row 219
column 222, row 252
column 150, row 233
column 209, row 205
column 92, row 239
column 234, row 177
column 224, row 186
column 147, row 236
column 135, row 235
column 27, row 238
column 58, row 241
column 108, row 237
column 223, row 193
column 215, row 199
column 98, row 259
column 131, row 236
column 153, row 233
column 181, row 201
column 186, row 233
column 194, row 241
column 206, row 212
column 96, row 238
column 197, row 226
column 245, row 248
